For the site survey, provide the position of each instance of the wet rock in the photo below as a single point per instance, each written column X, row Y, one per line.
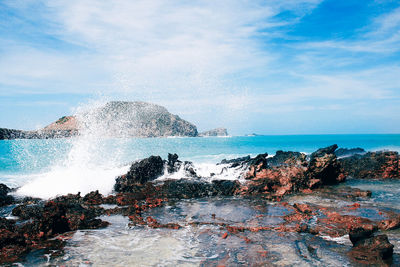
column 372, row 250
column 40, row 221
column 287, row 158
column 140, row 172
column 28, row 211
column 185, row 188
column 5, row 199
column 173, row 163
column 373, row 165
column 289, row 172
column 345, row 152
column 324, row 167
column 93, row 198
column 359, row 233
column 335, row 224
column 12, row 243
column 390, row 224
column 236, row 162
column 304, row 208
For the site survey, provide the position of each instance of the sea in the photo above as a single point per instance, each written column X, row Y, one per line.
column 46, row 168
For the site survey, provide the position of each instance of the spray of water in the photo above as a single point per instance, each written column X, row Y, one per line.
column 93, row 161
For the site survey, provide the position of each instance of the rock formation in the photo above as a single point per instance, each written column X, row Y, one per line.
column 373, row 165
column 215, row 132
column 114, row 119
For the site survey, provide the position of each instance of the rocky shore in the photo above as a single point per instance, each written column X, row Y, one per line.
column 285, row 180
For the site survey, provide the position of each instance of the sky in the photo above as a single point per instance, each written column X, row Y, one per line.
column 266, row 67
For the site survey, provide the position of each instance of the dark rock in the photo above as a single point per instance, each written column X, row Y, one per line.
column 93, row 198
column 373, row 165
column 184, row 188
column 236, row 162
column 140, row 172
column 173, row 164
column 359, row 233
column 28, row 211
column 12, row 243
column 324, row 168
column 287, row 158
column 372, row 250
column 345, row 152
column 5, row 199
column 324, row 151
column 10, row 134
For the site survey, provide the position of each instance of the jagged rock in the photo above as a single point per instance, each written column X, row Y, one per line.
column 215, row 132
column 41, row 221
column 324, row 167
column 235, row 162
column 93, row 198
column 373, row 165
column 140, row 172
column 287, row 158
column 289, row 172
column 173, row 163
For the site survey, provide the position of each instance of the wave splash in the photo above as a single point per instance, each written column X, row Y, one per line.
column 92, row 163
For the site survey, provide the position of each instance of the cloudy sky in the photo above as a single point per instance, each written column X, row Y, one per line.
column 272, row 67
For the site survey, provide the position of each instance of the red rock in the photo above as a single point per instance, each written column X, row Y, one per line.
column 304, row 208
column 390, row 224
column 224, row 236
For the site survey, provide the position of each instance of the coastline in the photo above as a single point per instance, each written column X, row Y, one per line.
column 282, row 180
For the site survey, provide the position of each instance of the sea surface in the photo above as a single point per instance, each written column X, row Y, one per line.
column 97, row 159
column 47, row 168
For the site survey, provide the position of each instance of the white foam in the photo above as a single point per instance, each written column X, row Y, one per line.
column 61, row 181
column 208, row 172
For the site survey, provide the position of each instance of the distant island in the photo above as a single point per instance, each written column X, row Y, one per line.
column 117, row 119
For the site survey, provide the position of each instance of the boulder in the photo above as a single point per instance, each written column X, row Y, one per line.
column 373, row 250
column 361, row 232
column 140, row 172
column 324, row 168
column 5, row 199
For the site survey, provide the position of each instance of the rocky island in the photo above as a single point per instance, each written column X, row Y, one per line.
column 117, row 119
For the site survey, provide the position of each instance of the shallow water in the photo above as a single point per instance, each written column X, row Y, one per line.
column 200, row 241
column 201, row 245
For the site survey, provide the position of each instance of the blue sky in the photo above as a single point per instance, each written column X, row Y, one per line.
column 272, row 67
